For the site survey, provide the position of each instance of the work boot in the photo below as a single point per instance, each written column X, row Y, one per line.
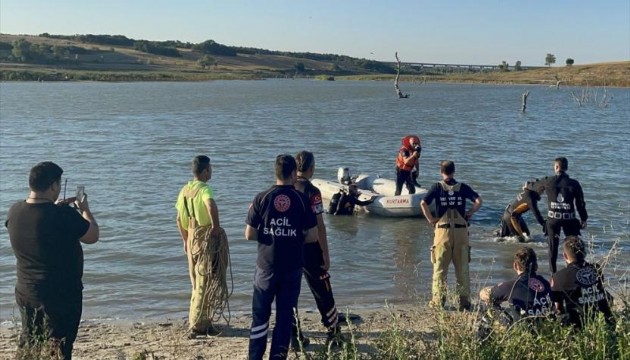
column 464, row 304
column 335, row 338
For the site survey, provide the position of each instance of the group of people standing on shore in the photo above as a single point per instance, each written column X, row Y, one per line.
column 286, row 221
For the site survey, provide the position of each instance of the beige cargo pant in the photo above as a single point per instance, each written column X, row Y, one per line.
column 450, row 243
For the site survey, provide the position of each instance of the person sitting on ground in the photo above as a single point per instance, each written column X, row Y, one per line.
column 347, row 201
column 578, row 290
column 529, row 294
column 512, row 222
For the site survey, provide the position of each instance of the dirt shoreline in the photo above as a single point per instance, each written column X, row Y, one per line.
column 167, row 338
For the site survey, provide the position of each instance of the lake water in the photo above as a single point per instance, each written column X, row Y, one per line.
column 131, row 144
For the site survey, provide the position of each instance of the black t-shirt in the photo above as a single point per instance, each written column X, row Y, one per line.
column 281, row 215
column 445, row 200
column 580, row 288
column 45, row 240
column 530, row 295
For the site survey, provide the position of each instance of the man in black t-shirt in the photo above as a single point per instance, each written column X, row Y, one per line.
column 46, row 236
column 578, row 290
column 281, row 220
column 529, row 294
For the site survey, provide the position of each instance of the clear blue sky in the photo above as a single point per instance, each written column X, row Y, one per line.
column 447, row 31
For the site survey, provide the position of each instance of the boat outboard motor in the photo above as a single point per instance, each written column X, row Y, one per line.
column 343, row 176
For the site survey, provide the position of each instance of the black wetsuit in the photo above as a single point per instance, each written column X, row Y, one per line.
column 512, row 216
column 564, row 197
column 347, row 203
column 530, row 295
column 579, row 288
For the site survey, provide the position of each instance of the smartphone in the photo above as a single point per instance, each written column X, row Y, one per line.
column 80, row 193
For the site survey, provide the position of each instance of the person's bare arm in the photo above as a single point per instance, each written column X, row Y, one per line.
column 323, row 240
column 476, row 205
column 251, row 233
column 427, row 212
column 311, row 235
column 92, row 234
column 213, row 211
column 182, row 232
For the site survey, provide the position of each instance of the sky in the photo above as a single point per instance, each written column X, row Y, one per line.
column 482, row 32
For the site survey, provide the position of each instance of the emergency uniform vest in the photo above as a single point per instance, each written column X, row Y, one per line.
column 400, row 160
column 452, row 224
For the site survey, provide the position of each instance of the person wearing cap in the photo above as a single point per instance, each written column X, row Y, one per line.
column 348, row 201
column 578, row 290
column 564, row 197
column 529, row 294
column 512, row 222
column 200, row 230
column 450, row 242
column 407, row 160
column 46, row 234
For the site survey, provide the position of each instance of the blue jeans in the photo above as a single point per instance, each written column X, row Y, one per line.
column 284, row 287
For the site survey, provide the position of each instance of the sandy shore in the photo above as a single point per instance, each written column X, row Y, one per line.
column 167, row 339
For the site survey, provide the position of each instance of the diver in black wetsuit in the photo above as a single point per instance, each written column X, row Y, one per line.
column 349, row 200
column 564, row 197
column 512, row 222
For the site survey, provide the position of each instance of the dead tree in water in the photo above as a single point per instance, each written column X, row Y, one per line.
column 557, row 81
column 398, row 92
column 524, row 97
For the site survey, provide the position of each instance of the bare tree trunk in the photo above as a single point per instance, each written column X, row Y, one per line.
column 524, row 97
column 557, row 81
column 396, row 87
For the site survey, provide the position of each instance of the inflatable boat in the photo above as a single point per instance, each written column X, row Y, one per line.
column 374, row 187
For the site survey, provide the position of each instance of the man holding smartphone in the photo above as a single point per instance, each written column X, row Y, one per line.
column 46, row 236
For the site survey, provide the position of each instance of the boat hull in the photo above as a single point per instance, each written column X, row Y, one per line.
column 382, row 191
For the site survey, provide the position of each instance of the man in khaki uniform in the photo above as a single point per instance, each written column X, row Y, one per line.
column 450, row 242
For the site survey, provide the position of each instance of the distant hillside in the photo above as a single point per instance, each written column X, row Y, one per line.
column 105, row 57
column 118, row 58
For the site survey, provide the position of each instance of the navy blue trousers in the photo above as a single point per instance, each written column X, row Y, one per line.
column 284, row 287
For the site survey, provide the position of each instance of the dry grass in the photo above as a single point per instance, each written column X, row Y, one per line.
column 131, row 65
